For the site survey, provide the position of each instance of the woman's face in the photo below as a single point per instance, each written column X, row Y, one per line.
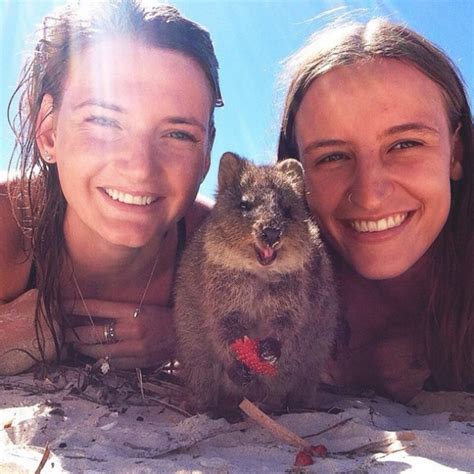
column 130, row 139
column 377, row 150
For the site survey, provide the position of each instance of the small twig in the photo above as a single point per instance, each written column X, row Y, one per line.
column 151, row 387
column 45, row 457
column 172, row 387
column 163, row 388
column 275, row 428
column 172, row 407
column 386, row 446
column 375, row 447
column 140, row 381
column 343, row 422
column 87, row 458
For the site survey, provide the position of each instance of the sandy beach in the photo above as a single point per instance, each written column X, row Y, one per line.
column 102, row 430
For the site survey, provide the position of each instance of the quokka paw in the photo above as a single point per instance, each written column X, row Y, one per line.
column 231, row 414
column 269, row 350
column 239, row 373
column 248, row 352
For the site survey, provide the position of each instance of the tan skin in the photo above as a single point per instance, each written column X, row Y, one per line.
column 111, row 146
column 378, row 167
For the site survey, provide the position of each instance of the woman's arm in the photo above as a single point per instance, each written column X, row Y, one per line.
column 18, row 344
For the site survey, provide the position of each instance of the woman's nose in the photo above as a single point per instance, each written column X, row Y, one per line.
column 371, row 186
column 139, row 161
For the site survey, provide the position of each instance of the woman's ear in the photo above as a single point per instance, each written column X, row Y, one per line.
column 45, row 130
column 457, row 155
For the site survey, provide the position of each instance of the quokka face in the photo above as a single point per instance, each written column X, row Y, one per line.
column 260, row 216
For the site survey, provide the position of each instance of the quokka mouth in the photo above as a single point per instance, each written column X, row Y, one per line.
column 265, row 255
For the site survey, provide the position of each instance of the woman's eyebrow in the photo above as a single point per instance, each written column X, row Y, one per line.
column 411, row 126
column 315, row 144
column 178, row 119
column 99, row 103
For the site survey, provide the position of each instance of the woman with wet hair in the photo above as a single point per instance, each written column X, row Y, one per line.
column 379, row 118
column 114, row 133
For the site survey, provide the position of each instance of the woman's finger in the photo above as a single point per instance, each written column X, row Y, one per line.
column 121, row 349
column 128, row 350
column 123, row 330
column 99, row 333
column 84, row 334
column 128, row 363
column 100, row 308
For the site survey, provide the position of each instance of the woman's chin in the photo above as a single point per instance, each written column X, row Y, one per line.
column 380, row 270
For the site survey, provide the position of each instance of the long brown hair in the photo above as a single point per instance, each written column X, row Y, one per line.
column 36, row 196
column 449, row 335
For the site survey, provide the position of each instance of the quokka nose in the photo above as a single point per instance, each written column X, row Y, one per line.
column 271, row 235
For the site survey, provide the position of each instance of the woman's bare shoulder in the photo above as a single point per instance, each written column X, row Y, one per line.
column 197, row 213
column 14, row 262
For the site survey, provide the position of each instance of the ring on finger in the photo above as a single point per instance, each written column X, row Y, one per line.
column 110, row 335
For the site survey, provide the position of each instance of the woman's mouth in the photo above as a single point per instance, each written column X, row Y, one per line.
column 127, row 198
column 378, row 225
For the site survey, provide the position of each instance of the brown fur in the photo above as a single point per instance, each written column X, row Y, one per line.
column 223, row 292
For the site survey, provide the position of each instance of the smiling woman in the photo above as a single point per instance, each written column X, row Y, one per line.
column 388, row 163
column 380, row 120
column 115, row 130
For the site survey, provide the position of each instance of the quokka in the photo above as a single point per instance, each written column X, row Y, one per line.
column 255, row 269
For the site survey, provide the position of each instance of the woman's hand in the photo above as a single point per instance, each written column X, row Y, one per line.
column 18, row 343
column 144, row 341
column 392, row 365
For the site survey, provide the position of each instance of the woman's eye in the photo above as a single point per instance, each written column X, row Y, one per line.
column 406, row 144
column 185, row 136
column 332, row 158
column 102, row 121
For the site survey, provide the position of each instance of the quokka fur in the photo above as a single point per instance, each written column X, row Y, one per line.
column 258, row 268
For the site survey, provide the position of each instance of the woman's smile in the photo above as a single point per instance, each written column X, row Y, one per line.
column 379, row 225
column 130, row 198
column 373, row 231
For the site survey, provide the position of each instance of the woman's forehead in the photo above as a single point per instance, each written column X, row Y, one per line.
column 383, row 84
column 128, row 67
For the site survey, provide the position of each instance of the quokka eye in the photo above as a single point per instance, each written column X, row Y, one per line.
column 245, row 205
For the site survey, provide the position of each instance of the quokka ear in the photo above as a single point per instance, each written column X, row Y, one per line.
column 230, row 167
column 294, row 170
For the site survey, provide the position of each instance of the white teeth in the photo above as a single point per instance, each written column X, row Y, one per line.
column 128, row 198
column 372, row 226
column 382, row 224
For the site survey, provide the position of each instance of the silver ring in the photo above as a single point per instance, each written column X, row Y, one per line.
column 349, row 198
column 110, row 335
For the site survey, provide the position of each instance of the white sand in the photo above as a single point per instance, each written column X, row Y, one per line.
column 88, row 437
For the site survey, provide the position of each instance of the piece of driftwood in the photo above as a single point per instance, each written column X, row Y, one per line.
column 44, row 458
column 343, row 422
column 279, row 431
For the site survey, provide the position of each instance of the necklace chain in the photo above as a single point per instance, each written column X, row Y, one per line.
column 142, row 299
column 139, row 308
column 136, row 313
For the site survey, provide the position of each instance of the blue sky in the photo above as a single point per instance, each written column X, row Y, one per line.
column 251, row 38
